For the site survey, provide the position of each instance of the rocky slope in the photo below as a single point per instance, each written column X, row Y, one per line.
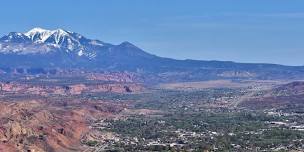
column 42, row 126
column 287, row 96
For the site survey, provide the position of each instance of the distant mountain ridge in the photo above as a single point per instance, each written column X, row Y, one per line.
column 47, row 49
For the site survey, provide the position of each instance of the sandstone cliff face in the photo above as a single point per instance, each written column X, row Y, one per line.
column 117, row 88
column 75, row 89
column 238, row 74
column 114, row 77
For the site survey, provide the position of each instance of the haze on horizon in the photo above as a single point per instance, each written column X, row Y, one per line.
column 243, row 31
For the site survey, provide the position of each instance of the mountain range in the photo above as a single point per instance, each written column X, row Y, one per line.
column 62, row 49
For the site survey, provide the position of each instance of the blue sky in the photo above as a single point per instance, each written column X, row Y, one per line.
column 269, row 31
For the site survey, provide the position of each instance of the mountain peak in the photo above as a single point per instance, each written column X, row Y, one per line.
column 42, row 30
column 127, row 44
column 37, row 30
column 60, row 32
column 40, row 35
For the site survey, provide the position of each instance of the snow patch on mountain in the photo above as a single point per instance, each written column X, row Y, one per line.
column 80, row 53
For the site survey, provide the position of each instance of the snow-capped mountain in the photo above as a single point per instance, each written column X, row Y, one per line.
column 61, row 49
column 42, row 41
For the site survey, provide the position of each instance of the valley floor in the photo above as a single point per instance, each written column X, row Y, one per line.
column 94, row 115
